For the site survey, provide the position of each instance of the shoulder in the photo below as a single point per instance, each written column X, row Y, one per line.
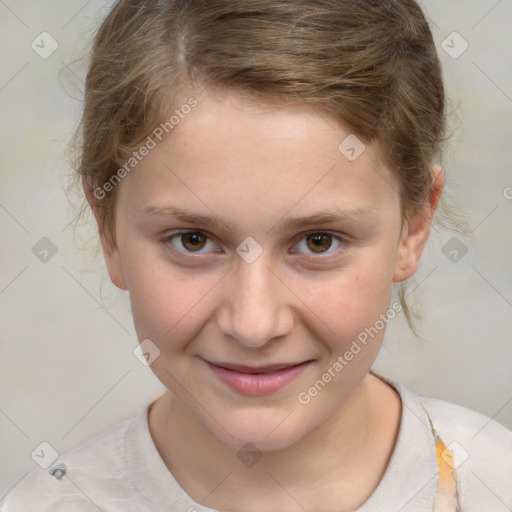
column 95, row 474
column 466, row 424
column 480, row 446
column 482, row 453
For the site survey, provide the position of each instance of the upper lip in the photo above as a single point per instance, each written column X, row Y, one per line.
column 255, row 369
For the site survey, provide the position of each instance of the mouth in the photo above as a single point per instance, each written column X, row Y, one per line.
column 257, row 380
column 255, row 370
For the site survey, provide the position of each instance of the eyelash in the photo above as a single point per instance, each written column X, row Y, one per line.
column 168, row 239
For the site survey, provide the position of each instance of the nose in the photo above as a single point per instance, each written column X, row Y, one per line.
column 256, row 308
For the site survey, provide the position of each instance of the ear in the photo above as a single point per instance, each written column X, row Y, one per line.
column 109, row 247
column 416, row 231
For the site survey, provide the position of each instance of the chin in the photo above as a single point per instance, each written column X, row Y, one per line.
column 266, row 431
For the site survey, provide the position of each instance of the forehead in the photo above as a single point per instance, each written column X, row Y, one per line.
column 232, row 152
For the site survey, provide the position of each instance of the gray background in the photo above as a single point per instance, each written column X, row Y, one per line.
column 67, row 369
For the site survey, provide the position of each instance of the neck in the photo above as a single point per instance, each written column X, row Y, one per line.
column 343, row 459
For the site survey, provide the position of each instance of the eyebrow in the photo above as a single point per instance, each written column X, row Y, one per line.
column 315, row 219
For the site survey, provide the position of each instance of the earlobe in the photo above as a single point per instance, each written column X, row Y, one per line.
column 113, row 261
column 412, row 243
column 109, row 247
column 416, row 231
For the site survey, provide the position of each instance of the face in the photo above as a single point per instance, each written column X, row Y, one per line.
column 221, row 269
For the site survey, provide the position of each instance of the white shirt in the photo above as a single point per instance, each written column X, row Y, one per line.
column 120, row 469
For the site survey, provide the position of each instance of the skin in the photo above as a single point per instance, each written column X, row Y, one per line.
column 253, row 167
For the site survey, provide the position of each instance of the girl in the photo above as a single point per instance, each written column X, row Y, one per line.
column 263, row 175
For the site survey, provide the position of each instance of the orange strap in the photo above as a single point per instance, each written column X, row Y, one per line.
column 447, row 499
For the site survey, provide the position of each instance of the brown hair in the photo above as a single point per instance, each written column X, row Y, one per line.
column 371, row 64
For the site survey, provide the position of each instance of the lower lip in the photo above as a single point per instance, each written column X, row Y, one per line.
column 258, row 384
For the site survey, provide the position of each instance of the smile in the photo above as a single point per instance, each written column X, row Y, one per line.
column 257, row 380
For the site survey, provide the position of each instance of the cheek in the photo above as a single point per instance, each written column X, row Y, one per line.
column 354, row 310
column 167, row 305
column 173, row 304
column 351, row 300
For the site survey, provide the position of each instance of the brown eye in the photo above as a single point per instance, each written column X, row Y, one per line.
column 319, row 242
column 193, row 241
column 188, row 242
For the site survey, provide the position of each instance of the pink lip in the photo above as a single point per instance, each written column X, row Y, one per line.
column 249, row 382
